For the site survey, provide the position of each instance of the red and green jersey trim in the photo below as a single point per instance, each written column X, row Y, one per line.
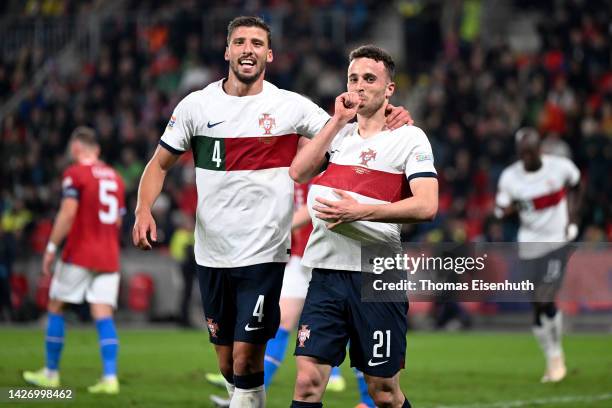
column 244, row 153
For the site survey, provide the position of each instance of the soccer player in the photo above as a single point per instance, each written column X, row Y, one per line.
column 89, row 218
column 243, row 132
column 542, row 189
column 293, row 293
column 361, row 197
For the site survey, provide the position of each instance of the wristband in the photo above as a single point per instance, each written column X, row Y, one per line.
column 51, row 248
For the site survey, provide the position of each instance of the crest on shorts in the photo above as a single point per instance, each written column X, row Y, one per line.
column 303, row 335
column 366, row 156
column 213, row 327
column 267, row 122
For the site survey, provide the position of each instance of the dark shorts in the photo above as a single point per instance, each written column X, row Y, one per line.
column 241, row 304
column 334, row 314
column 547, row 273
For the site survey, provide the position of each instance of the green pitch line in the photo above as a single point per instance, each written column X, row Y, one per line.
column 165, row 368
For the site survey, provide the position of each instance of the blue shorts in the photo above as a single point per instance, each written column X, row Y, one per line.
column 241, row 304
column 334, row 314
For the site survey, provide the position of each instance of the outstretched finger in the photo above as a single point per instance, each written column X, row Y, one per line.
column 142, row 242
column 397, row 117
column 324, row 210
column 326, row 217
column 334, row 224
column 135, row 236
column 342, row 194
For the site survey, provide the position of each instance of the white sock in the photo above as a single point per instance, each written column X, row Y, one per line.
column 230, row 388
column 51, row 373
column 249, row 398
column 110, row 378
column 554, row 326
column 542, row 335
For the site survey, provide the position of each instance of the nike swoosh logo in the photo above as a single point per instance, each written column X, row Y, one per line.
column 374, row 364
column 249, row 328
column 211, row 125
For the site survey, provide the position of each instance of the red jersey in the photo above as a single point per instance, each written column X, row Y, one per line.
column 93, row 240
column 299, row 237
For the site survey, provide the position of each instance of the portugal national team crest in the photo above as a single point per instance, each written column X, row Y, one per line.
column 303, row 335
column 366, row 156
column 267, row 123
column 213, row 327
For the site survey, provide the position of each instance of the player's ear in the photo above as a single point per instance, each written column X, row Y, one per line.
column 389, row 90
column 270, row 56
column 226, row 54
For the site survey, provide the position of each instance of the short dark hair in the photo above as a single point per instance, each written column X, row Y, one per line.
column 85, row 135
column 377, row 54
column 528, row 134
column 249, row 21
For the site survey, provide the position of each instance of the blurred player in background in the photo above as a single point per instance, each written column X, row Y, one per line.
column 543, row 190
column 295, row 285
column 244, row 133
column 89, row 218
column 375, row 164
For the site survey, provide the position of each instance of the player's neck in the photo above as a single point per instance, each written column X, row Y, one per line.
column 235, row 87
column 372, row 125
column 534, row 167
column 87, row 159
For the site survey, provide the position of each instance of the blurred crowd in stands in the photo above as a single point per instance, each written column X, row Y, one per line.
column 471, row 97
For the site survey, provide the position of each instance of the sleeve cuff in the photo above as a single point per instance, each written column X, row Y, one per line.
column 170, row 148
column 422, row 174
column 70, row 193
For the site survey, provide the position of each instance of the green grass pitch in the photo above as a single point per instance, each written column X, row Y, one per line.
column 165, row 368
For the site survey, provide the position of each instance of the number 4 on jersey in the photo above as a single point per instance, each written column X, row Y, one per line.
column 209, row 152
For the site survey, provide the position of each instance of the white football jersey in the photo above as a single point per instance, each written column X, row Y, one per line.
column 242, row 147
column 541, row 194
column 376, row 170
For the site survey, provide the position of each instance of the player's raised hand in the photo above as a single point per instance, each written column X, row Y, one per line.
column 397, row 116
column 144, row 224
column 346, row 106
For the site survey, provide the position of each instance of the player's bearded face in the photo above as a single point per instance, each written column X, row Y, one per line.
column 247, row 53
column 369, row 79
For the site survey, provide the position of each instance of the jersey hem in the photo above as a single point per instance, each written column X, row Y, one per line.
column 351, row 268
column 241, row 264
column 88, row 267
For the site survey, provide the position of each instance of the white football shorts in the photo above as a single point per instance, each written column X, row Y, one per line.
column 73, row 284
column 296, row 279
